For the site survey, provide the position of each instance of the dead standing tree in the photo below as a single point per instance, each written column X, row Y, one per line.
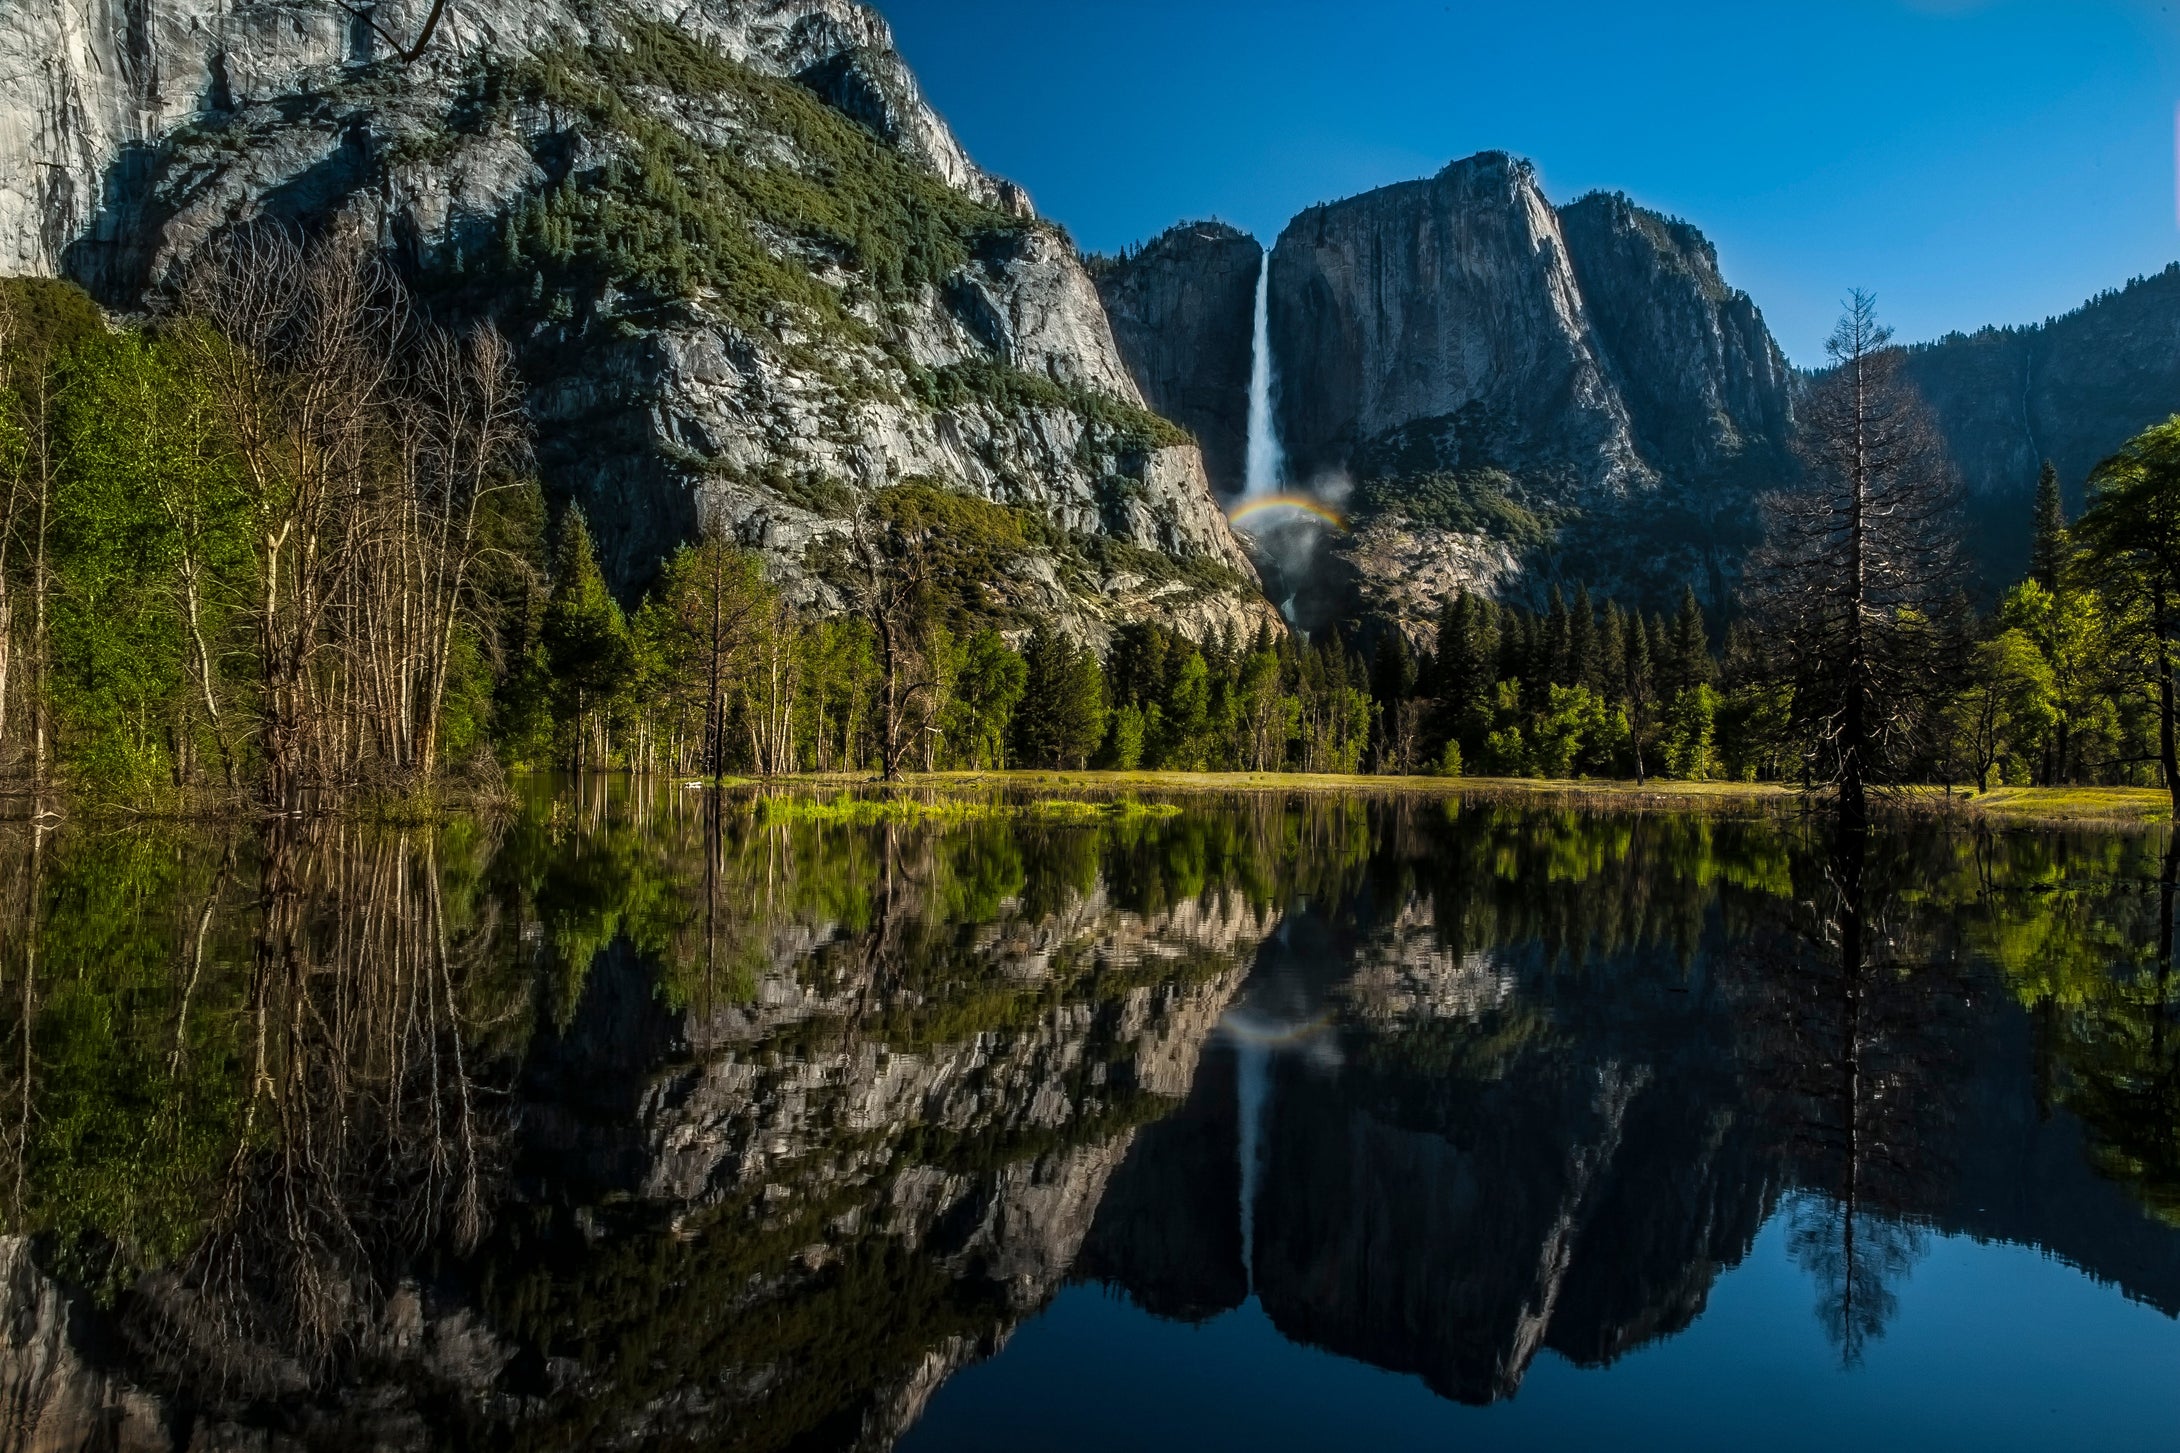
column 295, row 348
column 372, row 450
column 892, row 582
column 468, row 444
column 1853, row 586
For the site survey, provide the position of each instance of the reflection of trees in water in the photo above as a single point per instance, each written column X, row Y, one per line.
column 2100, row 981
column 1587, row 886
column 266, row 1100
column 852, row 1076
column 1856, row 1257
column 1855, row 1012
column 364, row 1136
column 260, row 1096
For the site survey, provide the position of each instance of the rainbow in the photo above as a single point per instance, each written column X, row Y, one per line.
column 1250, row 509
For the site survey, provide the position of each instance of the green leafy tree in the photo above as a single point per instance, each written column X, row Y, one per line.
column 148, row 558
column 1124, row 733
column 2007, row 707
column 1572, row 720
column 2130, row 542
column 714, row 601
column 1689, row 740
column 988, row 686
column 1180, row 738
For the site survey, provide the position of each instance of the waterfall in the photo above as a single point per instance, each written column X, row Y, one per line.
column 1252, row 1083
column 1267, row 464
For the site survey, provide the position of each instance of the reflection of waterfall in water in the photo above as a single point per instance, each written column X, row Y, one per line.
column 1255, row 1040
column 1266, row 465
column 1252, row 1084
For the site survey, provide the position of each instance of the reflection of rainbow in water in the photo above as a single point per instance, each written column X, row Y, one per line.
column 1242, row 1027
column 1251, row 510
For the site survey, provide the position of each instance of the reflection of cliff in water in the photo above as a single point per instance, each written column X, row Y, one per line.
column 1555, row 1145
column 673, row 1122
column 1485, row 1169
column 756, row 1179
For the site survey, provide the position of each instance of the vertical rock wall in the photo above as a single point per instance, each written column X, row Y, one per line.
column 1184, row 315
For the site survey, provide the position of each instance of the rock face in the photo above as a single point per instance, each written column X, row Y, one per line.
column 1709, row 394
column 131, row 131
column 1455, row 347
column 1450, row 309
column 2072, row 390
column 1184, row 314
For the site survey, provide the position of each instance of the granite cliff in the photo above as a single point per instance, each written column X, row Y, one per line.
column 1503, row 392
column 1518, row 393
column 2071, row 390
column 751, row 274
column 1183, row 312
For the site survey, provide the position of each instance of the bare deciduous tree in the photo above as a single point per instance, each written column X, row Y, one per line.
column 892, row 584
column 371, row 448
column 407, row 53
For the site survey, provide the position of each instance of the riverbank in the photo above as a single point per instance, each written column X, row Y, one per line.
column 2024, row 805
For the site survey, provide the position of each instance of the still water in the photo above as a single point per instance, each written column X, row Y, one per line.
column 661, row 1119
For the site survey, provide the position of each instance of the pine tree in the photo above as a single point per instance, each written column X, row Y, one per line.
column 1582, row 642
column 1692, row 664
column 2049, row 550
column 1518, row 634
column 1558, row 660
column 1080, row 719
column 586, row 641
column 1659, row 639
column 1061, row 719
column 1465, row 669
column 1392, row 669
column 1610, row 656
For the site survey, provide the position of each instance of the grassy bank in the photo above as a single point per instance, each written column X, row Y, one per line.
column 2006, row 804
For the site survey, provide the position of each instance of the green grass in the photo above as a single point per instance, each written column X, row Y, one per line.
column 2020, row 804
column 2053, row 804
column 863, row 810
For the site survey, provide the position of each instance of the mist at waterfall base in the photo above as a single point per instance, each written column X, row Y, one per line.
column 1283, row 527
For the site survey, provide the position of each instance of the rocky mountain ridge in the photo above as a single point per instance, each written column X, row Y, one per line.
column 755, row 276
column 751, row 274
column 1502, row 391
column 2071, row 389
column 1506, row 393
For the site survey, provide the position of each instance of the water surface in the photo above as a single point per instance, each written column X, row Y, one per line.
column 656, row 1118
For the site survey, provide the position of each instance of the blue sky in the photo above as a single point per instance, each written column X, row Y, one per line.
column 1972, row 161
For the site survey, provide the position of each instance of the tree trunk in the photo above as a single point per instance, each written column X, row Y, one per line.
column 2167, row 752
